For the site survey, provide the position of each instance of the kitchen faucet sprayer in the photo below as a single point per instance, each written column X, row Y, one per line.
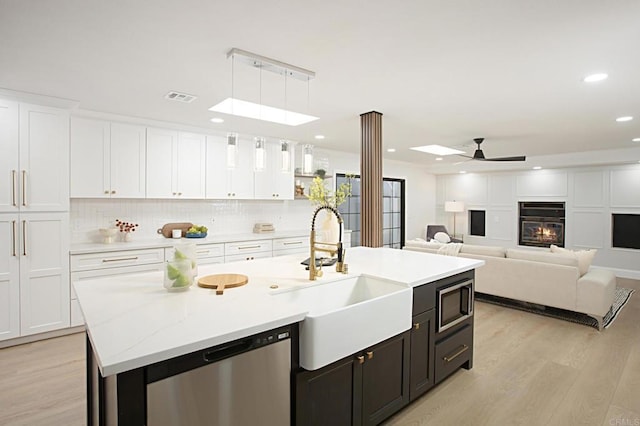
column 340, row 265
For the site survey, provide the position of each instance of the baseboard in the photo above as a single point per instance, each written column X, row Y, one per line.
column 40, row 336
column 622, row 273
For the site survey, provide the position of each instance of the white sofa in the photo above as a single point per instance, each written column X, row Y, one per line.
column 545, row 278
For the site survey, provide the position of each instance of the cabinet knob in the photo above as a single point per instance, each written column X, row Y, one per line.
column 234, row 194
column 175, row 193
column 228, row 194
column 416, row 326
column 113, row 192
column 179, row 193
column 370, row 355
column 360, row 359
column 106, row 191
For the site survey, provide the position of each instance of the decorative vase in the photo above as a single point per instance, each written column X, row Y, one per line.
column 328, row 230
column 127, row 237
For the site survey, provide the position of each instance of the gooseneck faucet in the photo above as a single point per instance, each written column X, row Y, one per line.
column 314, row 271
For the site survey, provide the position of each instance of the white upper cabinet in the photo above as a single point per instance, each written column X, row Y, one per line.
column 34, row 165
column 9, row 165
column 275, row 180
column 107, row 159
column 175, row 164
column 128, row 156
column 229, row 174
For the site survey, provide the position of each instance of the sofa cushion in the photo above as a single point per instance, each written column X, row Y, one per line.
column 483, row 250
column 441, row 237
column 585, row 257
column 543, row 256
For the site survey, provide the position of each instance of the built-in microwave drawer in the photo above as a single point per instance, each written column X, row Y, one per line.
column 453, row 351
column 245, row 247
column 116, row 259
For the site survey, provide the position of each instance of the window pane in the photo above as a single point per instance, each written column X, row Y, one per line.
column 386, row 236
column 395, row 220
column 386, row 205
column 387, row 189
column 386, row 220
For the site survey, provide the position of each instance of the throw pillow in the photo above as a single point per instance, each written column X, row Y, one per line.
column 585, row 257
column 441, row 237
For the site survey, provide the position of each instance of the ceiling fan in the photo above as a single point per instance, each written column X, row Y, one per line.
column 479, row 155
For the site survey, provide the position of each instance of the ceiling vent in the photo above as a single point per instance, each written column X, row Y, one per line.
column 181, row 97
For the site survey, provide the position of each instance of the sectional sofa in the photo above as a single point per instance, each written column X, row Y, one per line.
column 560, row 280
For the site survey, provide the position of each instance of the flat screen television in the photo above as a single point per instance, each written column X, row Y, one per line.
column 625, row 230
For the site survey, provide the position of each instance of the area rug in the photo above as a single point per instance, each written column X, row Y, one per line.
column 621, row 298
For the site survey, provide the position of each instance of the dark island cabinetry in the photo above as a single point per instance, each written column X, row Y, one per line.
column 363, row 389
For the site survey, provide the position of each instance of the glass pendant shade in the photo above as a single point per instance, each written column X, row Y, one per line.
column 307, row 159
column 260, row 153
column 232, row 150
column 285, row 152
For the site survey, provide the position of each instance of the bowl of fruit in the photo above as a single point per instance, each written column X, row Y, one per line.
column 197, row 232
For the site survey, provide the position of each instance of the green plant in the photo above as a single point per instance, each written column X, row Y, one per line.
column 320, row 195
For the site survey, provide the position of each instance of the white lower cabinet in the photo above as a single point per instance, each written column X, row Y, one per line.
column 293, row 245
column 247, row 250
column 34, row 273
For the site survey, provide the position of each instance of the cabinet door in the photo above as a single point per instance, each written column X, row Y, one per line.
column 385, row 379
column 329, row 395
column 161, row 165
column 44, row 272
column 90, row 158
column 190, row 165
column 222, row 181
column 422, row 353
column 218, row 175
column 9, row 277
column 9, row 167
column 44, row 159
column 275, row 181
column 127, row 166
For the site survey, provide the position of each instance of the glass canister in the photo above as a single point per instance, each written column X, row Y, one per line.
column 186, row 250
column 178, row 275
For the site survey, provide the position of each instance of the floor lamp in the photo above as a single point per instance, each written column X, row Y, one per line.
column 454, row 207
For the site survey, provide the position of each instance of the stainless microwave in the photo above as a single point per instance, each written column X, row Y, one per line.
column 455, row 304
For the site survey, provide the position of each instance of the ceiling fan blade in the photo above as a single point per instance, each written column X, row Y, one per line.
column 465, row 156
column 517, row 158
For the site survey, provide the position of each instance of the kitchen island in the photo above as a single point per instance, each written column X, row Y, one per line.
column 132, row 322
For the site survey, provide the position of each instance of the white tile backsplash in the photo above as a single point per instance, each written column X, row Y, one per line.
column 220, row 216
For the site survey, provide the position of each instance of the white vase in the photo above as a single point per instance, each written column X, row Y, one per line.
column 127, row 237
column 327, row 230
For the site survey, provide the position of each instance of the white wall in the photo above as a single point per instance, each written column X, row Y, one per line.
column 226, row 217
column 591, row 195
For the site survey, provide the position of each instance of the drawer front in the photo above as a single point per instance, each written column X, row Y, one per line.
column 246, row 247
column 424, row 298
column 116, row 259
column 453, row 351
column 248, row 256
column 291, row 251
column 210, row 260
column 202, row 251
column 110, row 272
column 290, row 243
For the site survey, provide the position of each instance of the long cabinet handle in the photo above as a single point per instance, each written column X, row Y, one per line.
column 292, row 243
column 120, row 259
column 24, row 188
column 14, row 240
column 24, row 237
column 14, row 189
column 462, row 350
column 248, row 247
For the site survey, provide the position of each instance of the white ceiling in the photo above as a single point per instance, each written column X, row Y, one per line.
column 441, row 72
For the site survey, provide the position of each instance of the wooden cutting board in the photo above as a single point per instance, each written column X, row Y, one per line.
column 166, row 229
column 222, row 281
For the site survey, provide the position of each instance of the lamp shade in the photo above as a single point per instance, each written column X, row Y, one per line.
column 453, row 206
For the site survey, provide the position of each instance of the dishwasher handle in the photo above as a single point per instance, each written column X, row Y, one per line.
column 227, row 351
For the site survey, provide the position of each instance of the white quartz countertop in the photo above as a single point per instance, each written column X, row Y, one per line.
column 132, row 321
column 161, row 242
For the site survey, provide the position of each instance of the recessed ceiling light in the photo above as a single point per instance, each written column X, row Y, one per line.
column 437, row 150
column 462, row 172
column 391, row 150
column 595, row 77
column 319, row 137
column 217, row 120
column 623, row 119
column 537, row 168
column 635, row 140
column 438, row 158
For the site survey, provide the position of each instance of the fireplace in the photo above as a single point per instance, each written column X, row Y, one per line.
column 541, row 223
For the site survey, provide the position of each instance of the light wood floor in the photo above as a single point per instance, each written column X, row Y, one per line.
column 528, row 370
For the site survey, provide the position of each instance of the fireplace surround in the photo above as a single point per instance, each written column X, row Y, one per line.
column 541, row 223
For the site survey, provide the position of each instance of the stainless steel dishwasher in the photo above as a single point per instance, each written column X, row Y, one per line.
column 245, row 382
